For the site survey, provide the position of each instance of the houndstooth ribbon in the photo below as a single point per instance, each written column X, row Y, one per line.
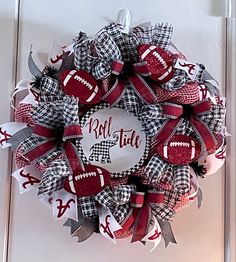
column 117, row 200
column 159, row 172
column 205, row 119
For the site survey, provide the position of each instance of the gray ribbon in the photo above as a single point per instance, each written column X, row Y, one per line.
column 211, row 88
column 167, row 232
column 67, row 62
column 19, row 137
column 199, row 198
column 34, row 70
column 82, row 229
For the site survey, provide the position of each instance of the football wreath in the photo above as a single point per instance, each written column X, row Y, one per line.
column 115, row 132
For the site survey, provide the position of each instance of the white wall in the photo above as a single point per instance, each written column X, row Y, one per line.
column 34, row 236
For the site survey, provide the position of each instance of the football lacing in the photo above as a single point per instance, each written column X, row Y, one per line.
column 185, row 144
column 85, row 175
column 83, row 81
column 160, row 59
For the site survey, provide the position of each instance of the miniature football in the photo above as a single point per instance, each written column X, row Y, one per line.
column 88, row 182
column 159, row 62
column 179, row 150
column 80, row 84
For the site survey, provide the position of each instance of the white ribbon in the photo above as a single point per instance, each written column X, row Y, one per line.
column 7, row 130
column 154, row 236
column 190, row 68
column 64, row 205
column 28, row 178
column 108, row 224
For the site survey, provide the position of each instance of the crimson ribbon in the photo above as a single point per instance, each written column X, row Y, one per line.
column 138, row 83
column 140, row 216
column 176, row 111
column 69, row 132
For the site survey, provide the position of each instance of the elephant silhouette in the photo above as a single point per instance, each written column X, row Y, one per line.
column 102, row 149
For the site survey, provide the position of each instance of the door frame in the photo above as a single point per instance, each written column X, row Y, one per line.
column 230, row 167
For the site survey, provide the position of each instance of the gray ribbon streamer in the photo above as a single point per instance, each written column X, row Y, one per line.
column 19, row 137
column 211, row 88
column 34, row 70
column 67, row 62
column 167, row 232
column 199, row 198
column 82, row 229
column 85, row 230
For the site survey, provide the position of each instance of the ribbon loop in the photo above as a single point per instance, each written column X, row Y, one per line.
column 117, row 67
column 72, row 131
column 201, row 107
column 172, row 110
column 43, row 131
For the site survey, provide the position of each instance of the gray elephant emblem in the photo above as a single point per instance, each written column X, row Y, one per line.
column 102, row 150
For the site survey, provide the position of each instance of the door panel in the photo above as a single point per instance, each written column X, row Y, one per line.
column 34, row 236
column 7, row 72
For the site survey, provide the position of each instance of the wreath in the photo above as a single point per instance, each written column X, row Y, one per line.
column 115, row 132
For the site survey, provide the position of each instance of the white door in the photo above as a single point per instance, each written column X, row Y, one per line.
column 199, row 33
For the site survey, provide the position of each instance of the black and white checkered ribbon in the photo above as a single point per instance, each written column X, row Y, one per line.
column 159, row 171
column 117, row 200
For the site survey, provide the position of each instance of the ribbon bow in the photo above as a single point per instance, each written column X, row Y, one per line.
column 191, row 113
column 131, row 73
column 51, row 140
column 50, row 145
column 140, row 215
column 203, row 119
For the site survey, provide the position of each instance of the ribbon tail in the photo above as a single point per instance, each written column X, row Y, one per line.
column 115, row 93
column 127, row 224
column 142, row 89
column 199, row 197
column 167, row 232
column 19, row 137
column 82, row 229
column 205, row 135
column 142, row 224
column 41, row 150
column 155, row 235
column 34, row 70
column 72, row 157
column 167, row 130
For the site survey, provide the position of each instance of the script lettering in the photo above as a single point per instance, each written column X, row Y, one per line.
column 100, row 129
column 62, row 208
column 31, row 180
column 6, row 136
column 128, row 137
column 106, row 227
